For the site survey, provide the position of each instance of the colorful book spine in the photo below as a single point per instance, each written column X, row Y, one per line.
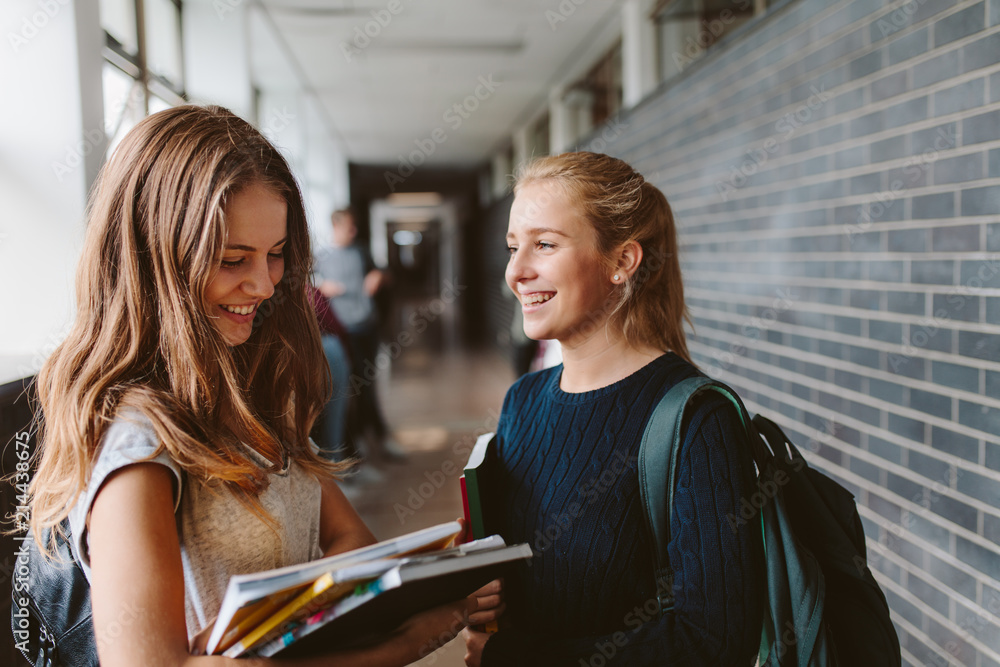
column 362, row 594
column 321, row 594
column 255, row 615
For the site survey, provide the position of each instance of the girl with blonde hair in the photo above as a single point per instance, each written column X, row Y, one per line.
column 174, row 443
column 593, row 261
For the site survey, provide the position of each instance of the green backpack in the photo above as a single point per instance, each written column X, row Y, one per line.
column 824, row 607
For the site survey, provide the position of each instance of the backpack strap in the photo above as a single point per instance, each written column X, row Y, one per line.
column 658, row 453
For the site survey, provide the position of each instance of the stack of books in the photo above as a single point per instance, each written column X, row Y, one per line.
column 352, row 598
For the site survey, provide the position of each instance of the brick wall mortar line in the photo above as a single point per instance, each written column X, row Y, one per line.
column 837, row 202
column 697, row 154
column 826, row 466
column 708, row 79
column 912, row 160
column 916, row 510
column 927, row 578
column 908, row 659
column 659, row 133
column 964, row 635
column 882, row 550
column 875, row 374
column 860, row 341
column 689, row 238
column 859, row 425
column 814, row 408
column 846, row 283
column 684, row 202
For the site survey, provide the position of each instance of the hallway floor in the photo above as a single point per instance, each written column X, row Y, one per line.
column 436, row 405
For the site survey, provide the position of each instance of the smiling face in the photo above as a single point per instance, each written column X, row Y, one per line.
column 555, row 268
column 252, row 262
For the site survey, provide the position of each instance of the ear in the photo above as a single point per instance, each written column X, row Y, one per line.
column 629, row 258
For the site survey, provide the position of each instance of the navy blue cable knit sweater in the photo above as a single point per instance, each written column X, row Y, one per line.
column 568, row 485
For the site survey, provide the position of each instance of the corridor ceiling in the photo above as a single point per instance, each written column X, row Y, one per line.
column 386, row 75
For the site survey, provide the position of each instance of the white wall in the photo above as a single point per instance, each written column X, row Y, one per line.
column 216, row 60
column 51, row 142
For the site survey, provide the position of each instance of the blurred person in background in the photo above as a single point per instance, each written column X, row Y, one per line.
column 336, row 346
column 347, row 276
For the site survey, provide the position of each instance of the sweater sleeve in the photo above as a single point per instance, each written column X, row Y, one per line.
column 717, row 561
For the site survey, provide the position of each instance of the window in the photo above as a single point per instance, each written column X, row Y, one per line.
column 602, row 87
column 540, row 137
column 163, row 42
column 687, row 28
column 143, row 68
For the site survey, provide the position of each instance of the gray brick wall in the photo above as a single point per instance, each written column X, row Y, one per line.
column 835, row 171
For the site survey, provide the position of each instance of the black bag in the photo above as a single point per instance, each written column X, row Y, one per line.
column 50, row 616
column 824, row 607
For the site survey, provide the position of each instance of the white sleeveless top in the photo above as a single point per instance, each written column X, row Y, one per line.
column 219, row 537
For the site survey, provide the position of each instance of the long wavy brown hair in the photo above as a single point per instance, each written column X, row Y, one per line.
column 143, row 338
column 648, row 308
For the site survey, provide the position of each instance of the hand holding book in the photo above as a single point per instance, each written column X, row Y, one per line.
column 476, row 483
column 369, row 595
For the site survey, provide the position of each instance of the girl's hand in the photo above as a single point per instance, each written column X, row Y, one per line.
column 488, row 603
column 426, row 632
column 430, row 630
column 490, row 600
column 465, row 535
column 475, row 642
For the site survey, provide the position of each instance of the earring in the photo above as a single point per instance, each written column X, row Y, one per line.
column 615, row 278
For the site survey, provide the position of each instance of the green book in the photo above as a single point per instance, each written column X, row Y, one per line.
column 476, row 484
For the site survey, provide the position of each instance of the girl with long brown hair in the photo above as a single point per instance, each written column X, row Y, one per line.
column 593, row 261
column 175, row 444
